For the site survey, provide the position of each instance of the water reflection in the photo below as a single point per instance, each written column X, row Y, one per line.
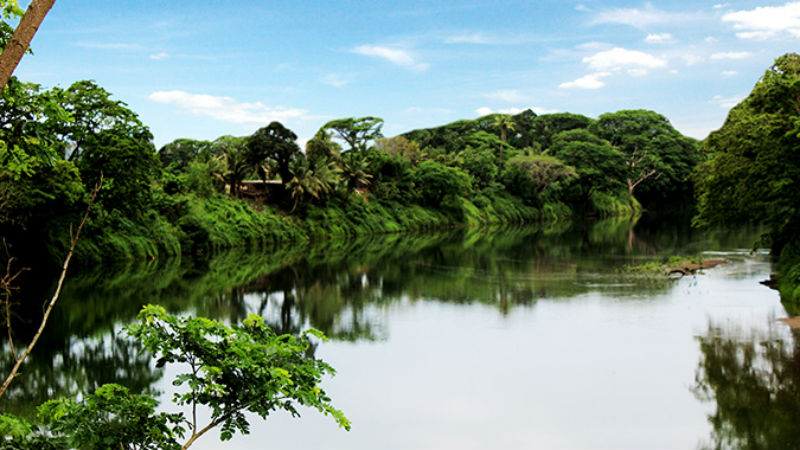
column 753, row 379
column 346, row 288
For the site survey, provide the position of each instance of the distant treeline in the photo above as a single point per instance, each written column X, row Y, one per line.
column 350, row 179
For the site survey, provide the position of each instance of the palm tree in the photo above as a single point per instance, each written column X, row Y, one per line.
column 505, row 123
column 355, row 170
column 236, row 168
column 312, row 182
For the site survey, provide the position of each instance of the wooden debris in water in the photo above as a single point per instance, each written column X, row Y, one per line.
column 688, row 268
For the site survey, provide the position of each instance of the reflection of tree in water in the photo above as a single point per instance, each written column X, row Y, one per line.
column 341, row 287
column 78, row 366
column 754, row 381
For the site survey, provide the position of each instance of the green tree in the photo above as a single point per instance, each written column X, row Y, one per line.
column 528, row 177
column 180, row 152
column 504, row 123
column 657, row 157
column 752, row 168
column 355, row 171
column 355, row 132
column 237, row 369
column 322, row 148
column 273, row 143
column 400, row 146
column 312, row 180
column 438, row 183
column 236, row 164
column 113, row 418
column 128, row 165
column 599, row 166
column 92, row 111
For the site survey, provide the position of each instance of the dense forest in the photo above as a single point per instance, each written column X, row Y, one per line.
column 197, row 196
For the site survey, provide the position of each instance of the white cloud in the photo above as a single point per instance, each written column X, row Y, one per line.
column 336, row 80
column 710, row 39
column 507, row 95
column 726, row 102
column 226, row 109
column 591, row 81
column 619, row 58
column 730, row 55
column 395, row 56
column 157, row 56
column 582, row 8
column 729, row 73
column 721, row 5
column 765, row 22
column 659, row 38
column 483, row 111
column 640, row 17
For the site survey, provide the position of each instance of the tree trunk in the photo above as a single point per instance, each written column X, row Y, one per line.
column 21, row 38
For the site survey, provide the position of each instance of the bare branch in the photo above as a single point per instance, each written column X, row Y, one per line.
column 49, row 309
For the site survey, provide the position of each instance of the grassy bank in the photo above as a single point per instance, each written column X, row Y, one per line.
column 195, row 224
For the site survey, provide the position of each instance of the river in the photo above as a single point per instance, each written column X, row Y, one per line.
column 502, row 337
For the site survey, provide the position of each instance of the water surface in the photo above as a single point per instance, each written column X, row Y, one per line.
column 509, row 337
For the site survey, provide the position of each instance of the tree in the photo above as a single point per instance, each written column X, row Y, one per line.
column 529, row 176
column 237, row 369
column 91, row 111
column 21, row 39
column 657, row 156
column 322, row 148
column 357, row 133
column 312, row 180
column 274, row 143
column 437, row 183
column 180, row 152
column 355, row 171
column 400, row 146
column 113, row 418
column 504, row 123
column 752, row 167
column 599, row 166
column 236, row 165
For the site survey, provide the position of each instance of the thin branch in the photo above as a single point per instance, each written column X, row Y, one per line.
column 49, row 309
column 221, row 419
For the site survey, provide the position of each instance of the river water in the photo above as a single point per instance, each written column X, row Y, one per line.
column 508, row 337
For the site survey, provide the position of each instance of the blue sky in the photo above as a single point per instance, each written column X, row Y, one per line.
column 202, row 69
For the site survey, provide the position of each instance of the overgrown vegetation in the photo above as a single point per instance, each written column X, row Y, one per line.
column 193, row 196
column 751, row 171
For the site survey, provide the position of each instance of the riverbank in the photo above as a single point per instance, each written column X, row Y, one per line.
column 195, row 224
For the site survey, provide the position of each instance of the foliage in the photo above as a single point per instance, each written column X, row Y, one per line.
column 656, row 156
column 400, row 146
column 752, row 167
column 112, row 417
column 272, row 144
column 322, row 147
column 753, row 383
column 355, row 132
column 436, row 182
column 179, row 153
column 530, row 176
column 237, row 369
column 312, row 181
